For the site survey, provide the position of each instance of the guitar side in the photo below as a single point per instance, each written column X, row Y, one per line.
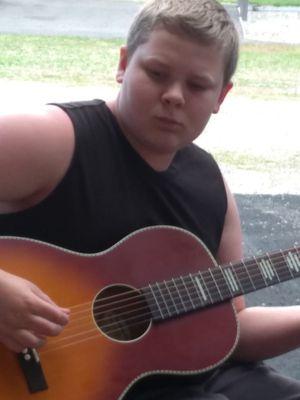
column 83, row 362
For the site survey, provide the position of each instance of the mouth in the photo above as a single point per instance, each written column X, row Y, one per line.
column 169, row 121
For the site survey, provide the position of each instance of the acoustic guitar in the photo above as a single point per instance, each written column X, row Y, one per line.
column 156, row 303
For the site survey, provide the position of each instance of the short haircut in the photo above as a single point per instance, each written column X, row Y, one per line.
column 205, row 21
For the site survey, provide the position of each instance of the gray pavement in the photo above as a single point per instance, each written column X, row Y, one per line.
column 270, row 221
column 91, row 18
column 111, row 18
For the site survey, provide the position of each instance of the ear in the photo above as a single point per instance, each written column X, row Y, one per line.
column 122, row 64
column 222, row 96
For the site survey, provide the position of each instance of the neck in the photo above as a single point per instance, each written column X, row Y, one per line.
column 156, row 159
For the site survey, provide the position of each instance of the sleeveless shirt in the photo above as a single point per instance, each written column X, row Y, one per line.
column 109, row 191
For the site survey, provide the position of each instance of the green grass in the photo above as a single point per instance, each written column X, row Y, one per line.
column 69, row 60
column 284, row 3
column 269, row 71
column 256, row 163
column 274, row 3
column 266, row 71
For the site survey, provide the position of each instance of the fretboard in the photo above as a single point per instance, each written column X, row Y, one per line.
column 187, row 293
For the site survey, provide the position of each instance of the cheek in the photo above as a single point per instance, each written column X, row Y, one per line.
column 198, row 117
column 137, row 93
column 136, row 103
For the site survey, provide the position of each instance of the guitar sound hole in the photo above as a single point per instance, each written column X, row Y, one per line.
column 121, row 313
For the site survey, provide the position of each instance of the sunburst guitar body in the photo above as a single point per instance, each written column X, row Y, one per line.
column 154, row 304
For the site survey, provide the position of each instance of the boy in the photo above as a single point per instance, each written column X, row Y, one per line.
column 110, row 169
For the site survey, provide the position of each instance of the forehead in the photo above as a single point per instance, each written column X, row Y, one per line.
column 179, row 49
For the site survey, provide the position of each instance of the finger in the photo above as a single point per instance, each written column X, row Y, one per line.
column 12, row 344
column 22, row 339
column 46, row 298
column 50, row 312
column 36, row 290
column 43, row 327
column 28, row 339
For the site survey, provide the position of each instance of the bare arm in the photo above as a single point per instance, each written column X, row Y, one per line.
column 267, row 332
column 264, row 331
column 231, row 248
column 35, row 152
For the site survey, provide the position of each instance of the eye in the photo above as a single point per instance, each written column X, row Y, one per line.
column 155, row 74
column 196, row 86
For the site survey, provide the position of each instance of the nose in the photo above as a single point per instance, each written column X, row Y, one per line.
column 173, row 95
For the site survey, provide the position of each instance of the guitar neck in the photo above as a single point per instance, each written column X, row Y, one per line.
column 187, row 293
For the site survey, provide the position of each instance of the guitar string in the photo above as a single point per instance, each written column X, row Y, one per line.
column 177, row 289
column 182, row 302
column 180, row 286
column 91, row 337
column 208, row 279
column 180, row 283
column 133, row 318
column 233, row 267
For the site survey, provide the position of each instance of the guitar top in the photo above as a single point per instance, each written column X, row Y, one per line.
column 156, row 303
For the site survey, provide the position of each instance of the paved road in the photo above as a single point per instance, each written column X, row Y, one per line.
column 92, row 18
column 111, row 18
column 269, row 221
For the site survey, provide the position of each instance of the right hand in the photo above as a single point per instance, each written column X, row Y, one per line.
column 27, row 315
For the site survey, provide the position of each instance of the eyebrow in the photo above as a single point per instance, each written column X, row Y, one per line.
column 203, row 78
column 155, row 60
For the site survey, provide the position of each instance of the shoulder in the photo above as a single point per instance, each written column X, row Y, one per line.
column 195, row 156
column 36, row 147
column 47, row 123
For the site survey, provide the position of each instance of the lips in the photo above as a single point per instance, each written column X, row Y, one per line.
column 169, row 121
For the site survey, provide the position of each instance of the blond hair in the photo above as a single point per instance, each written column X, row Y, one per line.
column 205, row 21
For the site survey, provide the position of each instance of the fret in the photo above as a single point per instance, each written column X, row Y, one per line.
column 188, row 293
column 239, row 284
column 232, row 281
column 171, row 297
column 152, row 303
column 269, row 260
column 267, row 271
column 211, row 287
column 226, row 292
column 262, row 272
column 249, row 276
column 202, row 284
column 157, row 304
column 288, row 266
column 198, row 292
column 215, row 283
column 293, row 262
column 256, row 273
column 164, row 299
column 202, row 290
column 181, row 302
column 183, row 294
column 167, row 299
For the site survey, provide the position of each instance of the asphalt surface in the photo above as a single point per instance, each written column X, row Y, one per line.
column 91, row 18
column 112, row 18
column 270, row 222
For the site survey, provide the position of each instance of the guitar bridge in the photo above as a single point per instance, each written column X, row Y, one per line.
column 30, row 364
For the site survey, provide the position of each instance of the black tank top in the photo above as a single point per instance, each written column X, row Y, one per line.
column 109, row 191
